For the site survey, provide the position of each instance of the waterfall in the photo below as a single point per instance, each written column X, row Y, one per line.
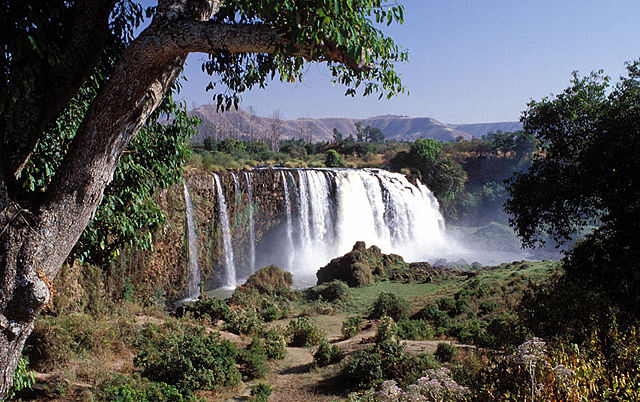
column 287, row 203
column 230, row 270
column 252, row 233
column 192, row 256
column 337, row 207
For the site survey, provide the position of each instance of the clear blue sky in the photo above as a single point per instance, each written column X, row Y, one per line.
column 469, row 61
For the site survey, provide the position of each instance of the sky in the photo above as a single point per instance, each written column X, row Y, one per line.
column 470, row 61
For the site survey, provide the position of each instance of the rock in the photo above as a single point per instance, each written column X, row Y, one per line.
column 268, row 279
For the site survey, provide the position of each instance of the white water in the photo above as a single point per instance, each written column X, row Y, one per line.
column 192, row 256
column 229, row 280
column 287, row 202
column 375, row 206
column 252, row 233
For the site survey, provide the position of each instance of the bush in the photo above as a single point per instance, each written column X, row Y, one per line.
column 390, row 305
column 351, row 326
column 213, row 308
column 189, row 361
column 275, row 344
column 386, row 330
column 362, row 370
column 134, row 388
column 417, row 330
column 487, row 307
column 260, row 392
column 244, row 322
column 439, row 318
column 335, row 291
column 334, row 159
column 304, row 332
column 327, row 354
column 253, row 360
column 445, row 352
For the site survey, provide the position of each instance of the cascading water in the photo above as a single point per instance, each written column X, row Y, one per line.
column 338, row 207
column 229, row 266
column 287, row 201
column 252, row 233
column 192, row 256
column 327, row 211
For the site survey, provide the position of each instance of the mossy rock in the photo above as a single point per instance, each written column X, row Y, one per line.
column 268, row 280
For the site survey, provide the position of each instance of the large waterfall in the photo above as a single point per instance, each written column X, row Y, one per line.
column 300, row 219
column 337, row 207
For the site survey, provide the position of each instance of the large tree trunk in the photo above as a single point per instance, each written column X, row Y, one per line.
column 34, row 242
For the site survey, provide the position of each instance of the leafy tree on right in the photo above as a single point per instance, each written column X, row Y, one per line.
column 586, row 175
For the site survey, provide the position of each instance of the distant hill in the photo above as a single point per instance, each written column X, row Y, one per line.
column 401, row 128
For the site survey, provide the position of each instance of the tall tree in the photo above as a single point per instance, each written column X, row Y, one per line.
column 585, row 176
column 52, row 48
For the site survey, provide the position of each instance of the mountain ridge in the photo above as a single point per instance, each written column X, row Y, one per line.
column 242, row 124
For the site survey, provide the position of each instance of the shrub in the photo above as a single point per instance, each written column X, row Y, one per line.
column 319, row 307
column 253, row 360
column 334, row 159
column 327, row 354
column 304, row 332
column 447, row 305
column 213, row 308
column 268, row 280
column 390, row 305
column 487, row 307
column 416, row 330
column 244, row 322
column 335, row 292
column 275, row 344
column 386, row 330
column 189, row 361
column 445, row 352
column 351, row 326
column 134, row 388
column 439, row 318
column 260, row 392
column 362, row 370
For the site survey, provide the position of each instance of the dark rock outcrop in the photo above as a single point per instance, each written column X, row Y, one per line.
column 363, row 266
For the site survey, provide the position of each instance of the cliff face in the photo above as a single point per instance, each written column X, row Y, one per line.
column 164, row 270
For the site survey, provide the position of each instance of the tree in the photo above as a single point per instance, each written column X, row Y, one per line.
column 585, row 176
column 52, row 49
column 275, row 130
column 337, row 135
column 374, row 135
column 334, row 159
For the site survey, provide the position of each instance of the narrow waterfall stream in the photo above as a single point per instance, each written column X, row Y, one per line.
column 229, row 265
column 192, row 251
column 252, row 231
column 287, row 201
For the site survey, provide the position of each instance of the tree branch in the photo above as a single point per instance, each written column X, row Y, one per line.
column 211, row 37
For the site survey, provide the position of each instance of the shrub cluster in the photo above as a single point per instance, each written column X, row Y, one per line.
column 336, row 292
column 416, row 330
column 188, row 360
column 304, row 332
column 121, row 388
column 215, row 309
column 327, row 354
column 244, row 322
column 445, row 352
column 260, row 392
column 253, row 360
column 351, row 326
column 388, row 304
column 275, row 344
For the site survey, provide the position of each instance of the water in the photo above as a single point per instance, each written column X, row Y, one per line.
column 229, row 278
column 287, row 201
column 192, row 251
column 252, row 232
column 327, row 211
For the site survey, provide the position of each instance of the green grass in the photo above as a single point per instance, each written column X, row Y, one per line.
column 510, row 276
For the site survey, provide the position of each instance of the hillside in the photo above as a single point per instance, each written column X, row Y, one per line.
column 401, row 128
